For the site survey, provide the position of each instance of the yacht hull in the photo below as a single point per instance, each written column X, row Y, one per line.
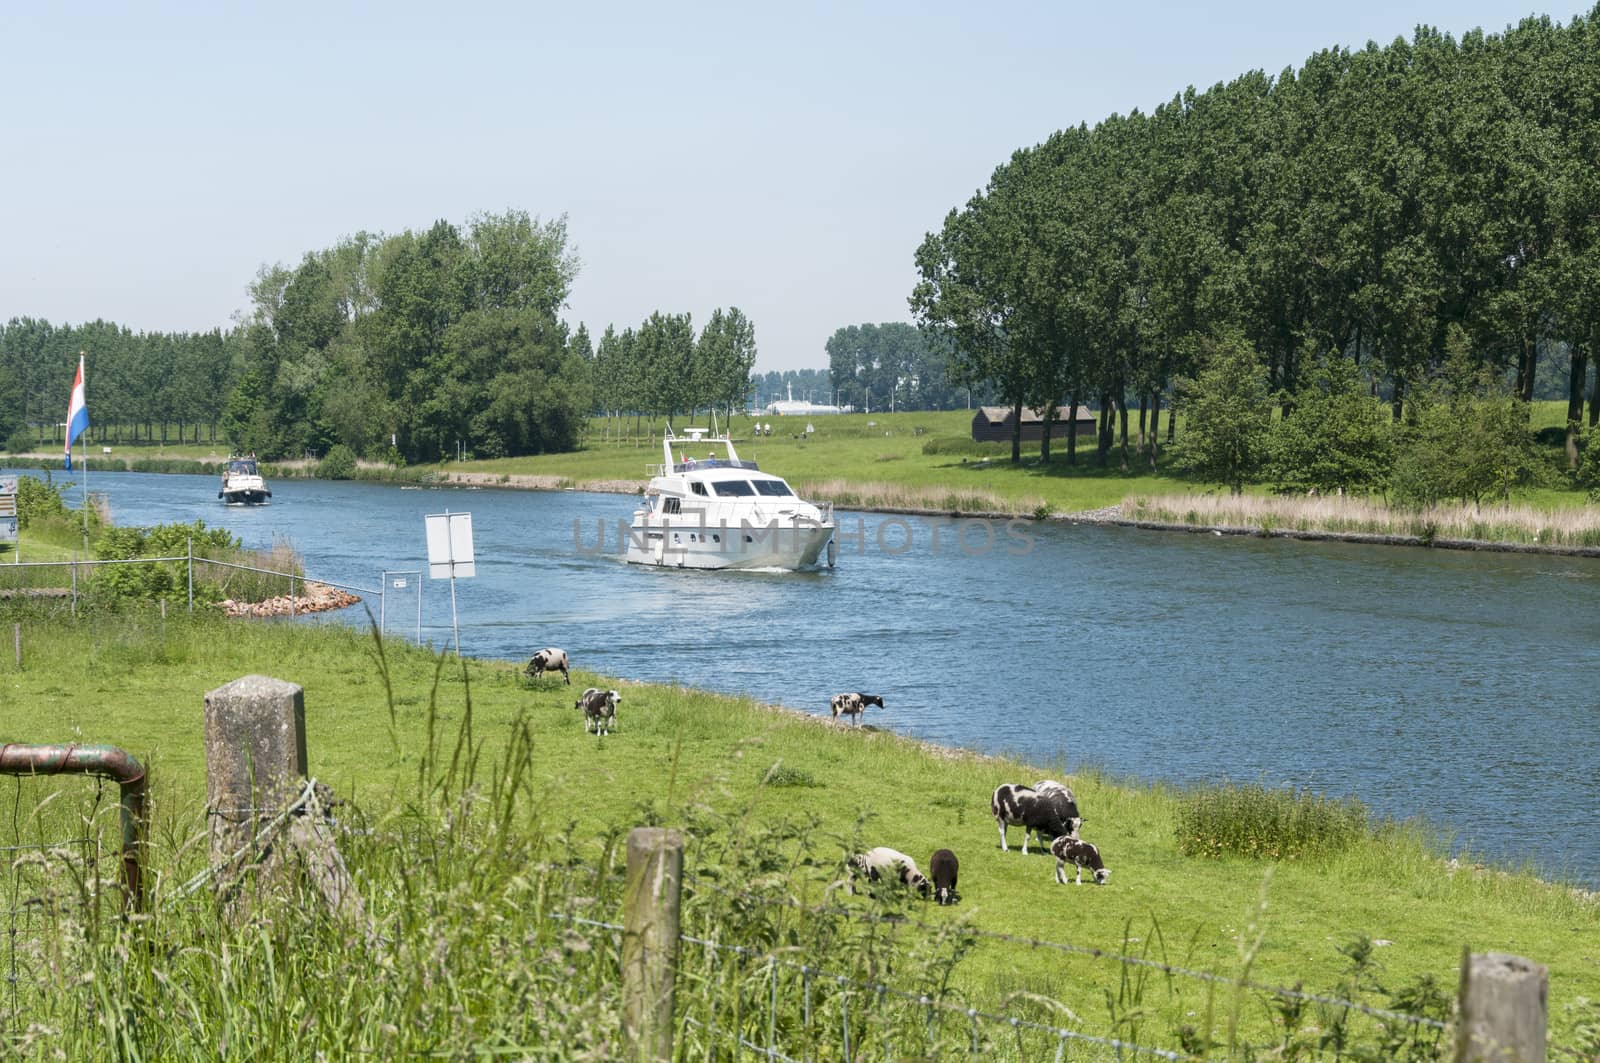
column 694, row 546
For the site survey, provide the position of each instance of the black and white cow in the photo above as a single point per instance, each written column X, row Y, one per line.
column 1050, row 813
column 549, row 660
column 885, row 864
column 853, row 705
column 599, row 710
column 1080, row 854
column 942, row 866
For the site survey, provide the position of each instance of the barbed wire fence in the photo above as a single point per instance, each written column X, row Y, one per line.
column 761, row 973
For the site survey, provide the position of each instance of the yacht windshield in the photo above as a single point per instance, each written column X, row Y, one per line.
column 732, row 487
column 773, row 487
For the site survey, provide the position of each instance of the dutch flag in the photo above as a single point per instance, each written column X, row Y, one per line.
column 77, row 413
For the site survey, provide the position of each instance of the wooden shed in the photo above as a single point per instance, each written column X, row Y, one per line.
column 993, row 424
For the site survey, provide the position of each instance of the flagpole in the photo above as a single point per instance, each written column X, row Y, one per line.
column 85, row 438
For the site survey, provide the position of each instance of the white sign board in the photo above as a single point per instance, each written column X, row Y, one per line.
column 450, row 546
column 8, row 509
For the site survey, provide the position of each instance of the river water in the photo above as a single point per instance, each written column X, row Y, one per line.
column 1464, row 688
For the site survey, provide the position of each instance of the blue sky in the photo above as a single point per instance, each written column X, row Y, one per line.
column 785, row 160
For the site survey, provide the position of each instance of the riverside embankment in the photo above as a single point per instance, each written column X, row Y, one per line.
column 1385, row 674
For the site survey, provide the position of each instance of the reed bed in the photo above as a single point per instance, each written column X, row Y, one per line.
column 858, row 495
column 1368, row 516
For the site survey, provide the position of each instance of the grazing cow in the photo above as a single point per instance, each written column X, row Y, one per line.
column 549, row 660
column 599, row 710
column 1080, row 854
column 943, row 866
column 1050, row 813
column 853, row 705
column 885, row 863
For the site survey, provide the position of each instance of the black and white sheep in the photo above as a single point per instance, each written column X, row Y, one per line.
column 853, row 704
column 1051, row 813
column 942, row 868
column 599, row 710
column 885, row 864
column 1080, row 854
column 549, row 659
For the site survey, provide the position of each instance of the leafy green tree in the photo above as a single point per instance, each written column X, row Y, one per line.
column 1227, row 438
column 725, row 354
column 1335, row 436
column 1466, row 436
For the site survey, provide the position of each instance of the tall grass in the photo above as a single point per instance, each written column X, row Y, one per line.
column 1255, row 822
column 1349, row 514
column 869, row 495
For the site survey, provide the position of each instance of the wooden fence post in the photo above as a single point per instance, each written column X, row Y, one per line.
column 650, row 941
column 1504, row 1001
column 255, row 733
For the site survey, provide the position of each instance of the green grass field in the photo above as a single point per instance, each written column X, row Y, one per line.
column 732, row 769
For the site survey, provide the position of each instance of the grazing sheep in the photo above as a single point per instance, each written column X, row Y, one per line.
column 853, row 705
column 1080, row 854
column 885, row 863
column 549, row 660
column 599, row 710
column 943, row 866
column 1050, row 813
column 1065, row 803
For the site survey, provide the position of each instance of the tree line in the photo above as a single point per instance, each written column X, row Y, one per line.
column 895, row 365
column 1373, row 207
column 418, row 346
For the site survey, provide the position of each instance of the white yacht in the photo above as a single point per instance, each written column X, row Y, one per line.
column 242, row 484
column 705, row 508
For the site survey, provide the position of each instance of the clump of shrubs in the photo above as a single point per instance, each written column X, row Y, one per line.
column 338, row 464
column 1253, row 821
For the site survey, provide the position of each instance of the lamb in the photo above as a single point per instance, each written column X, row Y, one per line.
column 886, row 863
column 853, row 704
column 1081, row 854
column 549, row 660
column 943, row 866
column 599, row 710
column 1051, row 812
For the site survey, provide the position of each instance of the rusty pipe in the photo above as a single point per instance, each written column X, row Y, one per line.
column 107, row 762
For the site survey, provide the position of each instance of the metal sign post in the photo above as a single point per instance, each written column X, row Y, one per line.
column 450, row 555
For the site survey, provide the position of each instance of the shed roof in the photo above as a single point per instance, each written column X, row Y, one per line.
column 998, row 414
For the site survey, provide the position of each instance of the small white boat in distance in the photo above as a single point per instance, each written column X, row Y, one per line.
column 242, row 484
column 705, row 508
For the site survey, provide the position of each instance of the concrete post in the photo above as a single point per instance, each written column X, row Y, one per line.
column 1504, row 1002
column 650, row 942
column 255, row 757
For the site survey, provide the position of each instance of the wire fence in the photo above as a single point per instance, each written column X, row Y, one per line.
column 798, row 987
column 902, row 921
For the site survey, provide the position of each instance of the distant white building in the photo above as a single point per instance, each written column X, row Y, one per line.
column 793, row 407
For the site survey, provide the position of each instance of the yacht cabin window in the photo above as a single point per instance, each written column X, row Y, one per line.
column 729, row 488
column 773, row 487
column 670, row 504
column 697, row 487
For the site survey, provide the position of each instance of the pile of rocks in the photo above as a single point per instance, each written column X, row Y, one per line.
column 318, row 598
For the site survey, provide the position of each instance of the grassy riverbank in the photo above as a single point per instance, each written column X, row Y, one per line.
column 773, row 801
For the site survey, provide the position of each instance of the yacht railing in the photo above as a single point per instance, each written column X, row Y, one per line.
column 709, row 463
